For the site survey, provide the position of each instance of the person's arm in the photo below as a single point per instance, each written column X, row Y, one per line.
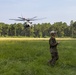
column 53, row 42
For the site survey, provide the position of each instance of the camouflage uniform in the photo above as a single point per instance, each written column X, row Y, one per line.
column 53, row 49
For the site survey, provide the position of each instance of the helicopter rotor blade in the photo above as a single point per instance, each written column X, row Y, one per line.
column 38, row 19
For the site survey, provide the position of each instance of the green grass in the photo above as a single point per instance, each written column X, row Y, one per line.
column 31, row 57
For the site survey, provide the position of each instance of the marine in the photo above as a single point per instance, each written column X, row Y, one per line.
column 53, row 48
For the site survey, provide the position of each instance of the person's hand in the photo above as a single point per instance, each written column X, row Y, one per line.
column 58, row 42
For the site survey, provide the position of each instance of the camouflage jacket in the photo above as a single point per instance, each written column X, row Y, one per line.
column 53, row 44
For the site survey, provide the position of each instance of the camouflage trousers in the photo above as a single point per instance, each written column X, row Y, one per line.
column 55, row 57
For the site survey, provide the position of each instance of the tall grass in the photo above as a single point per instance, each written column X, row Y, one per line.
column 31, row 57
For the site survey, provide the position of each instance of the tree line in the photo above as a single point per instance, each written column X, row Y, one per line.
column 38, row 30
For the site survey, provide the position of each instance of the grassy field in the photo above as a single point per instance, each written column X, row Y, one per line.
column 31, row 57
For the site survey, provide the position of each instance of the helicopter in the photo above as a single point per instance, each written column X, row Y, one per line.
column 27, row 21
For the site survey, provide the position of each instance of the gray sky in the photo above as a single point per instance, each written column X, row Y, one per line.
column 54, row 10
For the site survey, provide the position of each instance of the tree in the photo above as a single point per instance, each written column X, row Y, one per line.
column 71, row 27
column 19, row 29
column 4, row 29
column 74, row 29
column 37, row 30
column 1, row 29
column 12, row 30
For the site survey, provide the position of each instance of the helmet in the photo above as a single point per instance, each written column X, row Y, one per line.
column 53, row 32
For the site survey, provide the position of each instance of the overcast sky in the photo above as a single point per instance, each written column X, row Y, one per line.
column 53, row 10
